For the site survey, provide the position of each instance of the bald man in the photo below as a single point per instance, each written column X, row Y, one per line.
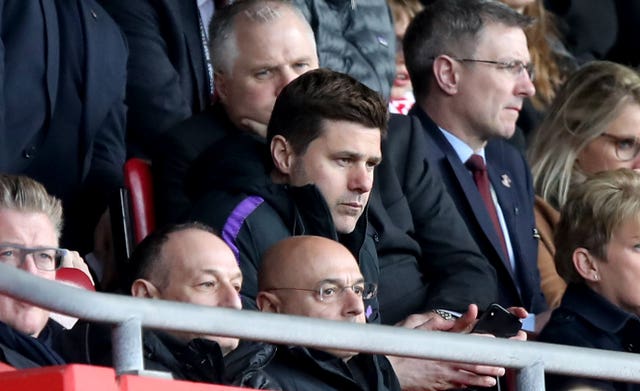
column 186, row 263
column 319, row 278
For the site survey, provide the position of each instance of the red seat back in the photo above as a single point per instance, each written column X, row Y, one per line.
column 139, row 182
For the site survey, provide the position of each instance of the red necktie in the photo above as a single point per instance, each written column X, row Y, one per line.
column 481, row 178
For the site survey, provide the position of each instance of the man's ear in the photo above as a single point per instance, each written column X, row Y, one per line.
column 144, row 288
column 268, row 302
column 585, row 264
column 220, row 83
column 282, row 154
column 445, row 71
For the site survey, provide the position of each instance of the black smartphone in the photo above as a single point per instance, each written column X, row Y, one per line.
column 496, row 320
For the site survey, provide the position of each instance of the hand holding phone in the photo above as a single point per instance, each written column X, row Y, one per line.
column 496, row 320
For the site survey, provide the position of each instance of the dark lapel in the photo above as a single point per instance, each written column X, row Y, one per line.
column 190, row 19
column 462, row 177
column 52, row 35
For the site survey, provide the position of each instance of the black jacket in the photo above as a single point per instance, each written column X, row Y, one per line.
column 167, row 77
column 23, row 351
column 292, row 368
column 252, row 213
column 427, row 258
column 197, row 360
column 587, row 319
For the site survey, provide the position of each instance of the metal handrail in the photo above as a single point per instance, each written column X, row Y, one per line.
column 129, row 314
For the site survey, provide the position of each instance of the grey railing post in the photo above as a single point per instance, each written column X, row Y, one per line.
column 127, row 346
column 531, row 378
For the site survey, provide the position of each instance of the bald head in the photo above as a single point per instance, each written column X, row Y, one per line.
column 303, row 257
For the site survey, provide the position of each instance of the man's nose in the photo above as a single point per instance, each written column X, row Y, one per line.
column 229, row 297
column 287, row 75
column 361, row 179
column 525, row 86
column 352, row 304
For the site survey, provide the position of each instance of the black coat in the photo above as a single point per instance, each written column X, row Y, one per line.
column 167, row 78
column 291, row 368
column 252, row 213
column 62, row 119
column 427, row 258
column 587, row 319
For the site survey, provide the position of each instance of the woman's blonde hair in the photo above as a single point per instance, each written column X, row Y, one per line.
column 583, row 109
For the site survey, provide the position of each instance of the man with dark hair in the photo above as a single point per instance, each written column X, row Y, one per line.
column 325, row 141
column 471, row 71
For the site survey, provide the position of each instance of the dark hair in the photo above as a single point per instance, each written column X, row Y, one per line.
column 451, row 27
column 148, row 253
column 303, row 105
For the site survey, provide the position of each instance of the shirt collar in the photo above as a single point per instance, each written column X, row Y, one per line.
column 463, row 151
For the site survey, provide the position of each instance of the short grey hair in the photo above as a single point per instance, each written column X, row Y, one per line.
column 23, row 194
column 451, row 27
column 222, row 42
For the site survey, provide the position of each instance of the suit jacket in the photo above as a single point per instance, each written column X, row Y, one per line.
column 167, row 76
column 30, row 81
column 504, row 164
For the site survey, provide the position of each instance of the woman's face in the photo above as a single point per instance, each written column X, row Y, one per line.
column 402, row 83
column 618, row 276
column 621, row 137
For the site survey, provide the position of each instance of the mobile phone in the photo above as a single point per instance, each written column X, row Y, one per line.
column 496, row 320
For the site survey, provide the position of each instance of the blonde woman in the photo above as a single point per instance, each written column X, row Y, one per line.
column 592, row 126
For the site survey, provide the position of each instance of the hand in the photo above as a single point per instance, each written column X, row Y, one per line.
column 418, row 374
column 422, row 375
column 522, row 314
column 72, row 259
column 255, row 127
column 431, row 321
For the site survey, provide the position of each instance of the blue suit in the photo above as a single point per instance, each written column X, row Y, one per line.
column 511, row 180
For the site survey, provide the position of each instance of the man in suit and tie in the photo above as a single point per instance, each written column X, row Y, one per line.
column 471, row 70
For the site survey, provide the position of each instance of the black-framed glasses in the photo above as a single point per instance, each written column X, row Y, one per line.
column 329, row 291
column 45, row 258
column 515, row 67
column 627, row 148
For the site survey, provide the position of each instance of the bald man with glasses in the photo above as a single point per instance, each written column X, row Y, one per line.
column 319, row 278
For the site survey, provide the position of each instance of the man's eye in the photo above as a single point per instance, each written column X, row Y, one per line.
column 45, row 256
column 6, row 253
column 628, row 143
column 358, row 289
column 263, row 74
column 329, row 290
column 207, row 284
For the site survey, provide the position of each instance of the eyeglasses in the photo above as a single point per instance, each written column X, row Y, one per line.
column 329, row 292
column 515, row 67
column 45, row 258
column 627, row 148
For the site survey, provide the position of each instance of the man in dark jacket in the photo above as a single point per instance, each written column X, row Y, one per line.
column 186, row 263
column 30, row 223
column 324, row 137
column 319, row 278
